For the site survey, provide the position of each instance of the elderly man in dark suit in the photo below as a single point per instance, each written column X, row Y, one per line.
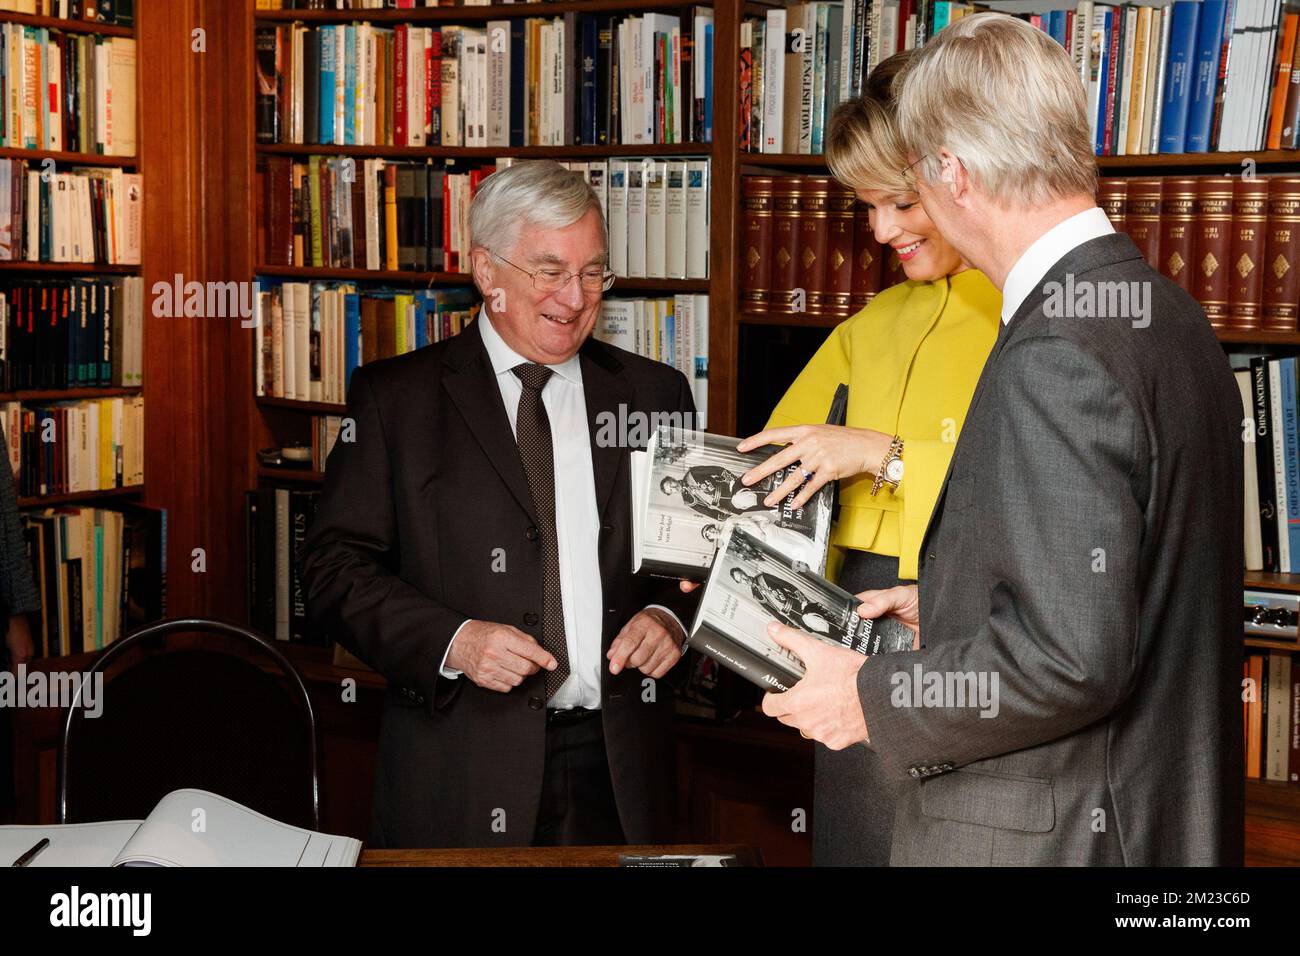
column 473, row 546
column 1084, row 558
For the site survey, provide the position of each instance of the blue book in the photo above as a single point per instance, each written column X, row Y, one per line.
column 588, row 32
column 708, row 82
column 1056, row 27
column 351, row 336
column 1178, row 76
column 1103, row 81
column 349, row 85
column 1205, row 75
column 1291, row 437
column 106, row 332
column 327, row 62
column 420, row 303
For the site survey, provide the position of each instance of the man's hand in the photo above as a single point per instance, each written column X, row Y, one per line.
column 902, row 602
column 497, row 656
column 826, row 452
column 651, row 642
column 824, row 705
column 18, row 638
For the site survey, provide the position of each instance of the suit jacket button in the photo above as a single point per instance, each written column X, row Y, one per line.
column 914, row 773
column 930, row 556
column 532, row 534
column 536, row 703
column 530, row 618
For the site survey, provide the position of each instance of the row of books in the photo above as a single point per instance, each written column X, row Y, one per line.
column 71, row 333
column 378, row 214
column 324, row 433
column 117, row 12
column 68, row 447
column 1272, row 716
column 798, row 63
column 101, row 573
column 581, row 78
column 83, row 215
column 309, row 336
column 672, row 329
column 1271, row 462
column 1188, row 77
column 809, row 248
column 1232, row 242
column 276, row 520
column 67, row 91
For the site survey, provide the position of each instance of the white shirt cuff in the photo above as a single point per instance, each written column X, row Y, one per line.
column 450, row 672
column 670, row 613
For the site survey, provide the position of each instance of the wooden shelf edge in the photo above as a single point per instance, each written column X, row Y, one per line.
column 488, row 153
column 67, row 394
column 75, row 268
column 1269, row 581
column 299, row 405
column 298, row 475
column 792, row 320
column 76, row 159
column 76, row 497
column 67, row 26
column 1257, row 337
column 471, row 14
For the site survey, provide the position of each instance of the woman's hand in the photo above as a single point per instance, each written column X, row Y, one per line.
column 827, row 452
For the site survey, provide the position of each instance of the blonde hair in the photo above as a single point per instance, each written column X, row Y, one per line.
column 864, row 149
column 1005, row 99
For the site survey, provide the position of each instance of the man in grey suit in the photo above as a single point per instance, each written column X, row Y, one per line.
column 1083, row 564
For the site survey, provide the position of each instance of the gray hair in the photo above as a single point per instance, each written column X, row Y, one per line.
column 1004, row 98
column 539, row 192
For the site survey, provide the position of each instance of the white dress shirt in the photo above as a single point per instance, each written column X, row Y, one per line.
column 1046, row 251
column 577, row 521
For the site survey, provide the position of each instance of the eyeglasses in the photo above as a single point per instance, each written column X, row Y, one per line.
column 908, row 168
column 553, row 280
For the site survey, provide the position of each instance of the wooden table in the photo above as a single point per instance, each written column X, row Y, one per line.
column 545, row 855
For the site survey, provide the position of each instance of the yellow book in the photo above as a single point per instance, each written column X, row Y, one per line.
column 390, row 218
column 105, row 409
column 402, row 304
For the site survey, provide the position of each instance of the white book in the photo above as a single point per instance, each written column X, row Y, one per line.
column 32, row 217
column 372, row 169
column 61, row 214
column 773, row 82
column 1279, row 467
column 1253, row 540
column 597, row 177
column 498, row 82
column 1079, row 40
column 1266, row 74
column 296, row 115
column 637, row 173
column 700, row 330
column 279, row 305
column 289, row 340
column 130, row 216
column 616, row 324
column 1230, row 133
column 684, row 339
column 638, row 84
column 122, row 73
column 675, row 219
column 415, row 72
column 302, row 341
column 806, row 14
column 656, row 215
column 617, row 216
column 1153, row 63
column 697, row 218
column 360, row 113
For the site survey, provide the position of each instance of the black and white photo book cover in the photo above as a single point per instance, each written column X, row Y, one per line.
column 686, row 487
column 750, row 585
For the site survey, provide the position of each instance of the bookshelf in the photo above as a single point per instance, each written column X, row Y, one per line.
column 61, row 161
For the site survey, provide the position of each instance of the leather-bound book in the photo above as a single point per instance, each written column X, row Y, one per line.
column 1142, row 216
column 1212, row 245
column 1177, row 212
column 786, row 199
column 279, row 211
column 891, row 268
column 1280, row 298
column 867, row 259
column 1112, row 194
column 1246, row 253
column 756, row 269
column 813, row 224
column 837, row 284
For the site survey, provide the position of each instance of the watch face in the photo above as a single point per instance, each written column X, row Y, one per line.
column 894, row 470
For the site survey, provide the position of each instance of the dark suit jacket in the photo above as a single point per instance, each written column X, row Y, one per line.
column 416, row 521
column 1086, row 549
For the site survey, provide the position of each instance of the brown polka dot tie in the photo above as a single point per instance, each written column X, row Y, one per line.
column 533, row 434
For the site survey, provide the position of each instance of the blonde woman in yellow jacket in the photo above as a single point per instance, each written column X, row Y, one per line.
column 911, row 359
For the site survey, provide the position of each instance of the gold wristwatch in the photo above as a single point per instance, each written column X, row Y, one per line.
column 891, row 469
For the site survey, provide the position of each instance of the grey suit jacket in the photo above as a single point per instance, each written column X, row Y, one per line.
column 1085, row 553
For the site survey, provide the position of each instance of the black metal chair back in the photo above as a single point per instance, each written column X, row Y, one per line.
column 200, row 717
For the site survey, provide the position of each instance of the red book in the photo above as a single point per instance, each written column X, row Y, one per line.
column 756, row 264
column 837, row 282
column 1212, row 246
column 1246, row 252
column 813, row 237
column 867, row 257
column 1142, row 216
column 786, row 208
column 1281, row 265
column 1177, row 213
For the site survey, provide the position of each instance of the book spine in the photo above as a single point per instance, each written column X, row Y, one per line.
column 1259, row 381
column 1246, row 255
column 1281, row 261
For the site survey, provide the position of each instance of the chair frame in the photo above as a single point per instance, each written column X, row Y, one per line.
column 165, row 629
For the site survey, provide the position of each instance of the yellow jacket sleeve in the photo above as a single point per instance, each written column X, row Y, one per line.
column 808, row 399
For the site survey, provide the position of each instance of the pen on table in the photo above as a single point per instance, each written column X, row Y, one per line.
column 31, row 854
